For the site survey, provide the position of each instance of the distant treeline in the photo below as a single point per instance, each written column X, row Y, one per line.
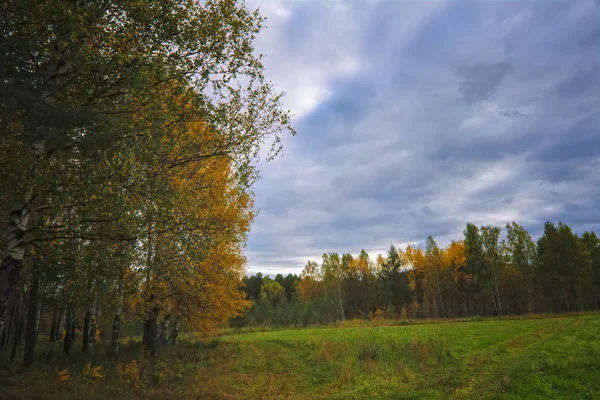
column 487, row 273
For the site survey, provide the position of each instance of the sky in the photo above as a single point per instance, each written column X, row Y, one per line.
column 416, row 117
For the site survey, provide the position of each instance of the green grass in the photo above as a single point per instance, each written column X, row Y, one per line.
column 538, row 358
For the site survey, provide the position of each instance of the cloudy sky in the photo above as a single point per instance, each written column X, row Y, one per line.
column 415, row 117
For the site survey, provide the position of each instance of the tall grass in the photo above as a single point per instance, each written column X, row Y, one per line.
column 130, row 375
column 539, row 358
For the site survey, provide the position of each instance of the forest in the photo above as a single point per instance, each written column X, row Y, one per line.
column 485, row 274
column 130, row 133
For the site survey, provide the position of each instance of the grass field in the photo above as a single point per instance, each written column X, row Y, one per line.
column 538, row 358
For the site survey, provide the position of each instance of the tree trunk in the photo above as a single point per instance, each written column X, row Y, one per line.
column 498, row 292
column 99, row 307
column 437, row 280
column 93, row 324
column 73, row 326
column 339, row 290
column 38, row 318
column 69, row 322
column 17, row 327
column 16, row 339
column 579, row 298
column 85, row 341
column 150, row 324
column 164, row 326
column 52, row 337
column 53, row 326
column 151, row 332
column 32, row 309
column 155, row 337
column 12, row 261
column 115, row 333
column 493, row 298
column 117, row 321
column 174, row 334
column 60, row 323
column 11, row 321
column 529, row 296
column 7, row 333
column 543, row 299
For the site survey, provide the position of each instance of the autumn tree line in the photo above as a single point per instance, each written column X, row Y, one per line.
column 129, row 136
column 490, row 272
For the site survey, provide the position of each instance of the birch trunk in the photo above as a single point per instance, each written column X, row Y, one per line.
column 93, row 323
column 38, row 318
column 98, row 307
column 164, row 326
column 174, row 334
column 339, row 290
column 116, row 327
column 32, row 310
column 12, row 261
column 529, row 296
column 155, row 336
column 437, row 281
column 497, row 292
column 117, row 320
column 493, row 297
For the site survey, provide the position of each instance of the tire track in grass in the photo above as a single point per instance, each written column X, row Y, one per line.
column 490, row 371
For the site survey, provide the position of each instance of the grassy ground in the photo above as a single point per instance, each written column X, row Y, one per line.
column 539, row 358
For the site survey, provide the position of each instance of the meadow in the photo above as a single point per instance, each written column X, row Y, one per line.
column 536, row 358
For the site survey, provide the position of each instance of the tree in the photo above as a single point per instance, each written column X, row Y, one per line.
column 289, row 283
column 592, row 243
column 368, row 279
column 253, row 285
column 520, row 250
column 332, row 274
column 309, row 287
column 435, row 276
column 565, row 266
column 460, row 281
column 272, row 292
column 490, row 237
column 393, row 277
column 474, row 255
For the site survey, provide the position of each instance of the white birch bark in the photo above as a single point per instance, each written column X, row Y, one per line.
column 12, row 261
